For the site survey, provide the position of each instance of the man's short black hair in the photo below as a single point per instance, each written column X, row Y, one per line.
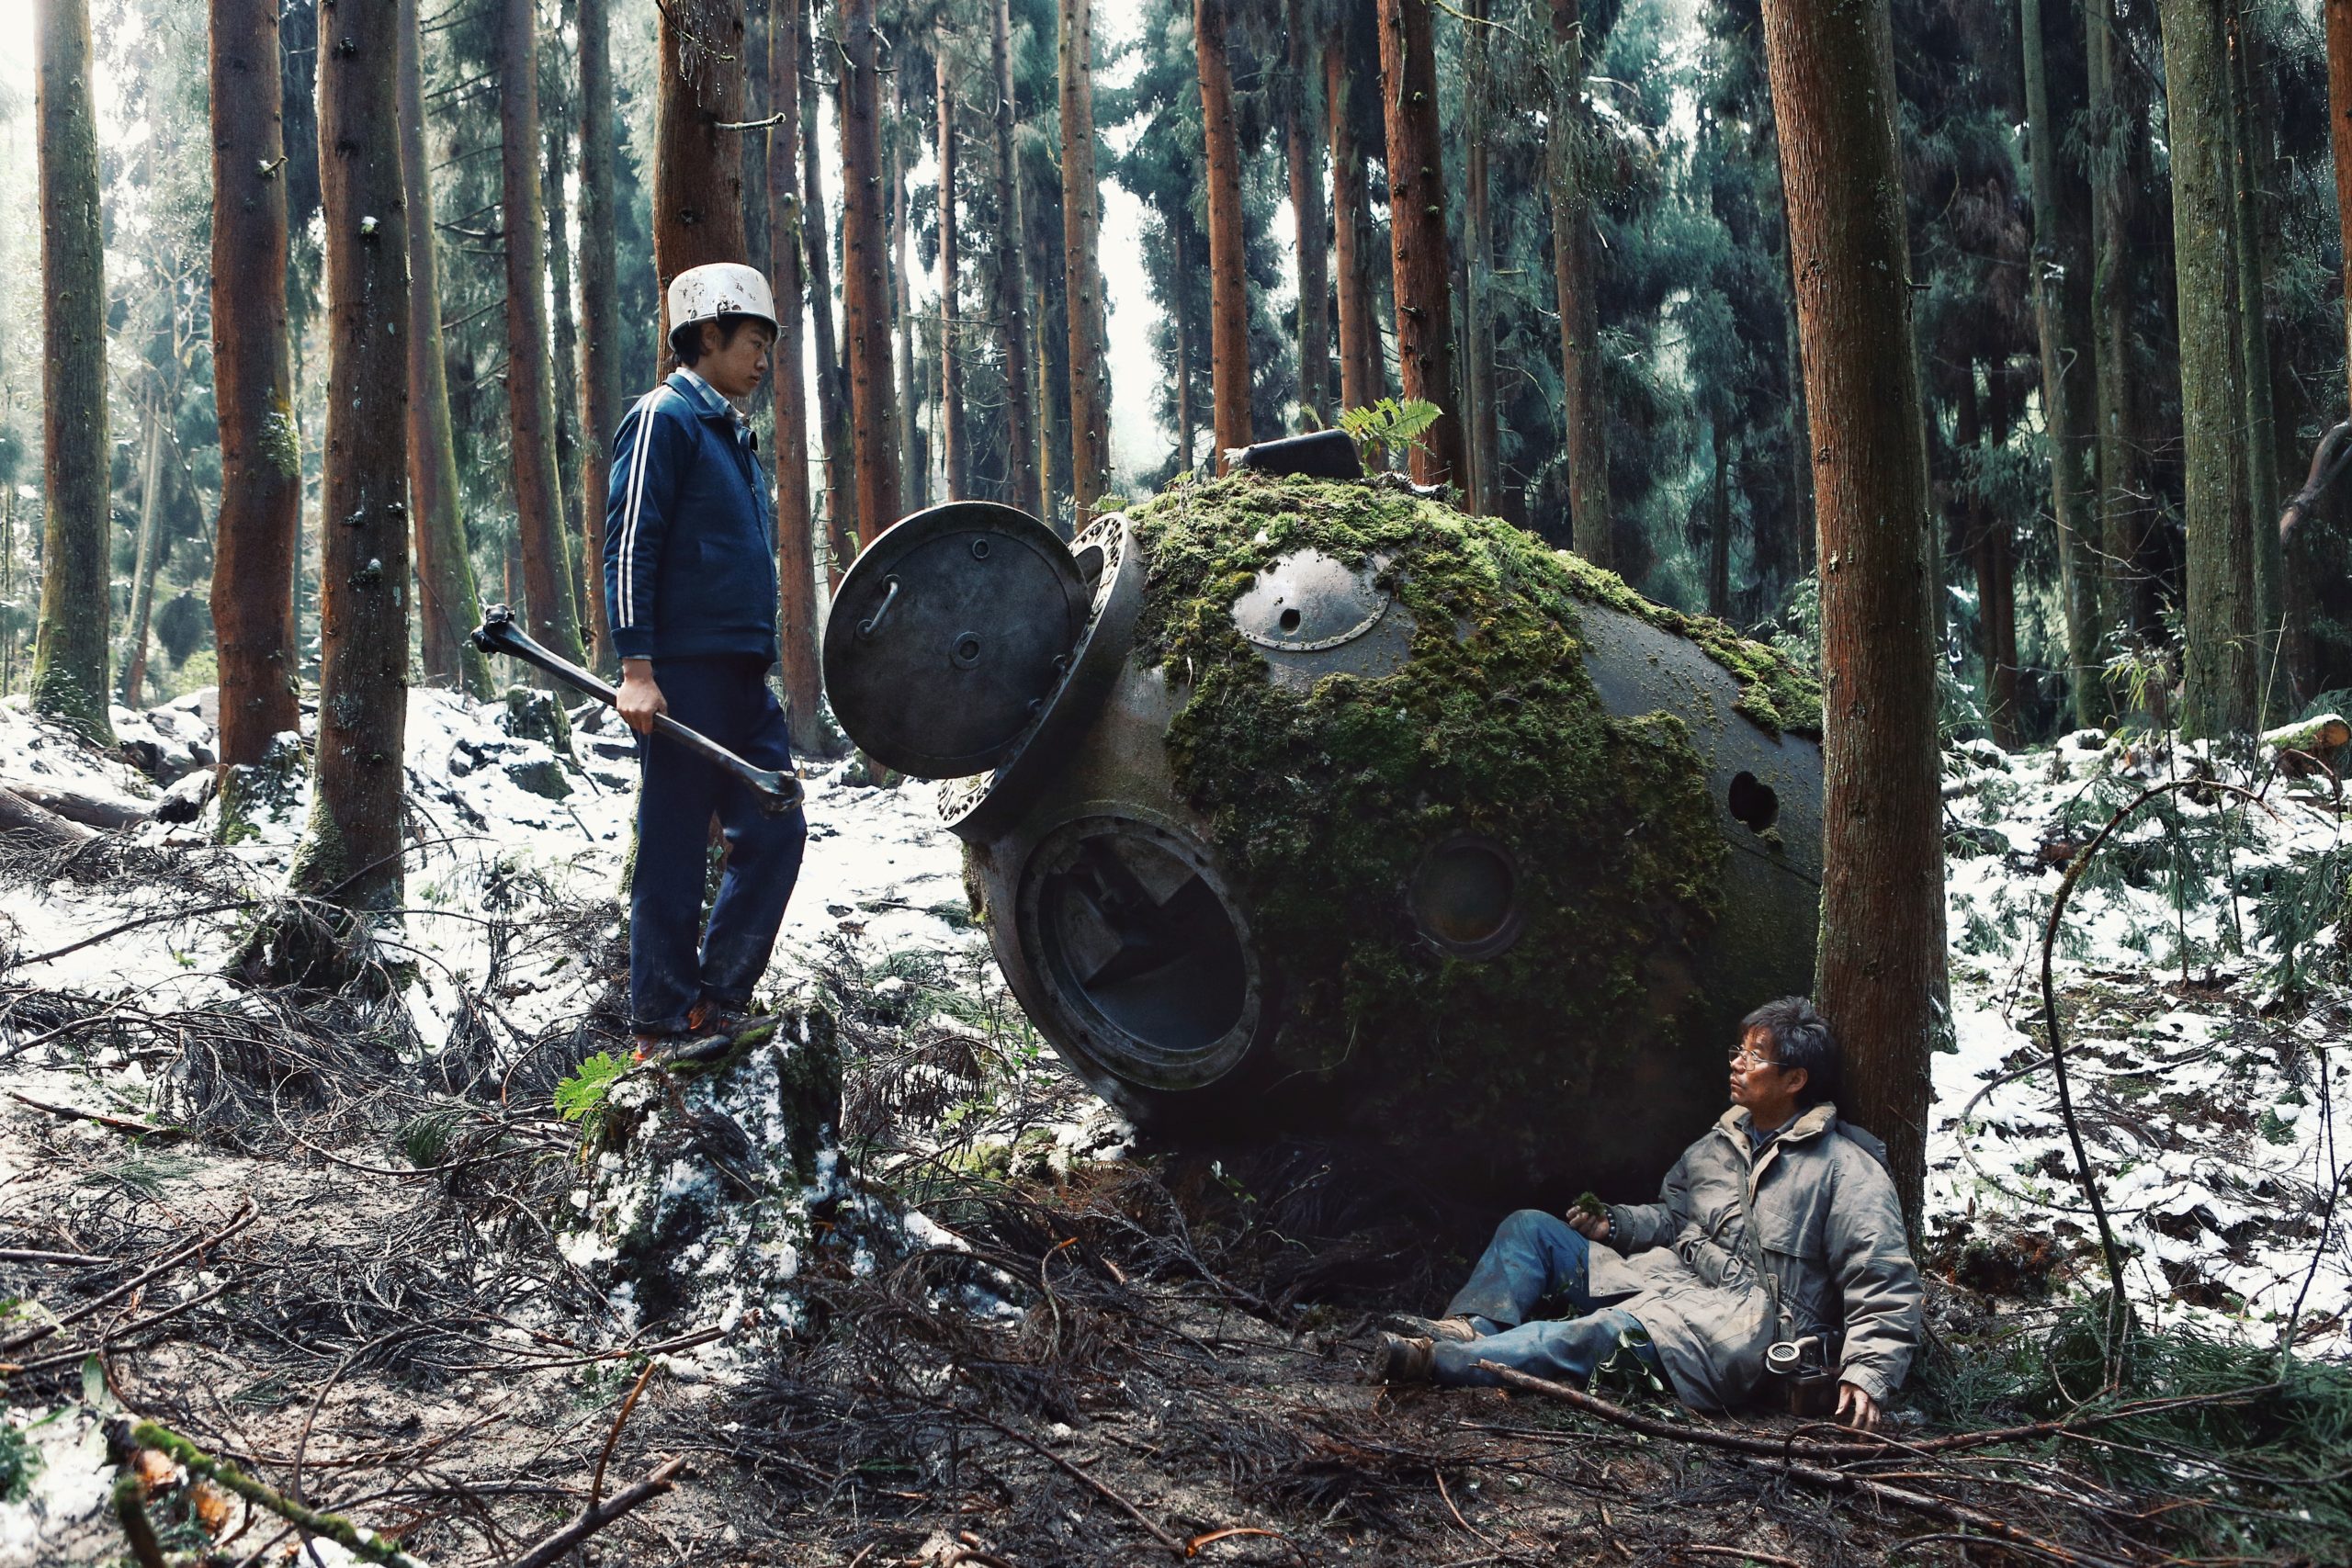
column 1800, row 1038
column 685, row 341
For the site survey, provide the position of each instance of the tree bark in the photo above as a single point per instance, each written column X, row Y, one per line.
column 1187, row 427
column 697, row 167
column 1089, row 359
column 796, row 540
column 1719, row 526
column 1228, row 283
column 2066, row 396
column 1417, row 234
column 448, row 606
column 2127, row 588
column 913, row 475
column 1012, row 282
column 866, row 309
column 2218, row 658
column 1362, row 381
column 2339, row 120
column 253, row 381
column 142, row 571
column 1483, row 444
column 586, row 579
column 350, row 850
column 70, row 653
column 530, row 394
column 2261, row 429
column 1303, row 148
column 1882, row 956
column 955, row 452
column 832, row 388
column 1577, row 297
column 599, row 367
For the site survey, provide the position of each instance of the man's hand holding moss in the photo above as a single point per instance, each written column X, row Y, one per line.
column 1589, row 1218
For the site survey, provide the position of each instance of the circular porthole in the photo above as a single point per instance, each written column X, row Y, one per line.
column 1465, row 898
column 1754, row 802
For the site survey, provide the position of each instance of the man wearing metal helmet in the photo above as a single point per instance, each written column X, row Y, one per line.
column 690, row 583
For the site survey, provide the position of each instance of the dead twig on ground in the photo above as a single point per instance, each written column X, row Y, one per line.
column 597, row 1516
column 119, row 1123
column 246, row 1214
column 596, row 1480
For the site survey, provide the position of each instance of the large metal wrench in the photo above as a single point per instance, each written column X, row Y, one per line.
column 498, row 633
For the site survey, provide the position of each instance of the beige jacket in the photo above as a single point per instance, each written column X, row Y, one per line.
column 1831, row 1234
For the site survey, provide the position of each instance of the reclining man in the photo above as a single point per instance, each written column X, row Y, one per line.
column 1780, row 1224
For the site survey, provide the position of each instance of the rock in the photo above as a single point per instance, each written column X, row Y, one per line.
column 541, row 776
column 269, row 788
column 184, row 801
column 534, row 714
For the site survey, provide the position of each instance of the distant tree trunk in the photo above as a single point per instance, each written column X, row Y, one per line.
column 599, row 367
column 2127, row 591
column 70, row 653
column 1228, row 283
column 1012, row 281
column 587, row 581
column 2066, row 395
column 1361, row 382
column 1187, row 428
column 1479, row 489
column 350, row 850
column 1882, row 958
column 955, row 453
column 1578, row 295
column 2218, row 660
column 2261, row 428
column 913, row 474
column 697, row 168
column 1047, row 488
column 142, row 571
column 530, row 395
column 253, row 382
column 1089, row 359
column 2339, row 119
column 796, row 540
column 1719, row 526
column 447, row 606
column 1990, row 541
column 1304, row 153
column 832, row 389
column 1417, row 234
column 866, row 309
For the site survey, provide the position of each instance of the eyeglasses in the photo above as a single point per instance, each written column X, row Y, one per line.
column 1750, row 1058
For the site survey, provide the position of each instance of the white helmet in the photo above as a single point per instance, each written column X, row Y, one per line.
column 720, row 288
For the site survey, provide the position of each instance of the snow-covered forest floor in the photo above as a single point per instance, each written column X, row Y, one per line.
column 982, row 1325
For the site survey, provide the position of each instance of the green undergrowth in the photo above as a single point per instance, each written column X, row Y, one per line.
column 2271, row 1474
column 1325, row 801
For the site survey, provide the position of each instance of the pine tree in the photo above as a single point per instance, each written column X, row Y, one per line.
column 1011, row 278
column 832, row 384
column 866, row 311
column 1416, row 196
column 600, row 368
column 697, row 166
column 1363, row 381
column 2116, row 138
column 1577, row 294
column 1089, row 367
column 1303, row 154
column 955, row 465
column 1228, row 283
column 796, row 540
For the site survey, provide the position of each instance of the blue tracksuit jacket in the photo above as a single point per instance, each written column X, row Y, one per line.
column 689, row 538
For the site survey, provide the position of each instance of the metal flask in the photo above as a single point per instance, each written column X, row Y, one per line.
column 971, row 645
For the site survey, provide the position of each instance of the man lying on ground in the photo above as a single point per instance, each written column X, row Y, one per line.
column 1780, row 1225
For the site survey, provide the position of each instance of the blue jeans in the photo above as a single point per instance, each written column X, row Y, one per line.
column 672, row 962
column 1534, row 1255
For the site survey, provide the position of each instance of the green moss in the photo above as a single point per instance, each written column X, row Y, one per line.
column 1325, row 801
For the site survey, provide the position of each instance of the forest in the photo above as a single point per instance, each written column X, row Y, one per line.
column 1932, row 408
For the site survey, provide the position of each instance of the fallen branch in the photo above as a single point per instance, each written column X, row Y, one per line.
column 107, row 1340
column 60, row 1259
column 131, row 1510
column 363, row 1544
column 1098, row 1487
column 90, row 810
column 119, row 1123
column 245, row 1216
column 31, row 822
column 597, row 1516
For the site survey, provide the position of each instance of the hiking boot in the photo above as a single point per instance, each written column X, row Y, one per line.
column 709, row 1017
column 648, row 1046
column 1399, row 1359
column 1454, row 1330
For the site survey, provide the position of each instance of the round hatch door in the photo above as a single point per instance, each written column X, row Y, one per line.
column 947, row 632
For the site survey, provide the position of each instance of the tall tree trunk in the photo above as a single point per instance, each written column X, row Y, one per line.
column 795, row 539
column 2339, row 119
column 446, row 605
column 2261, row 431
column 530, row 395
column 1416, row 233
column 253, row 389
column 2066, row 397
column 1361, row 383
column 1882, row 958
column 2127, row 596
column 1479, row 489
column 350, row 850
column 1989, row 540
column 913, row 474
column 955, row 452
column 832, row 388
column 70, row 650
column 599, row 367
column 1011, row 283
column 1719, row 524
column 1574, row 284
column 587, row 577
column 1089, row 359
column 2218, row 660
column 1048, row 488
column 1228, row 283
column 697, row 167
column 1302, row 149
column 866, row 309
column 1187, row 428
column 142, row 571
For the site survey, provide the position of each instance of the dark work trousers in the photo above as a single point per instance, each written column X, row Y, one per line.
column 671, row 963
column 1533, row 1255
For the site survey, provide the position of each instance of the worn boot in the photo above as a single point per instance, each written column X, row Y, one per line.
column 1457, row 1330
column 1397, row 1360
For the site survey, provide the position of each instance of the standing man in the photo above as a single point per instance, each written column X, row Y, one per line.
column 690, row 583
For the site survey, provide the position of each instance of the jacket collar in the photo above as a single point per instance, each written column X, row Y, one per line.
column 701, row 394
column 1809, row 1124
